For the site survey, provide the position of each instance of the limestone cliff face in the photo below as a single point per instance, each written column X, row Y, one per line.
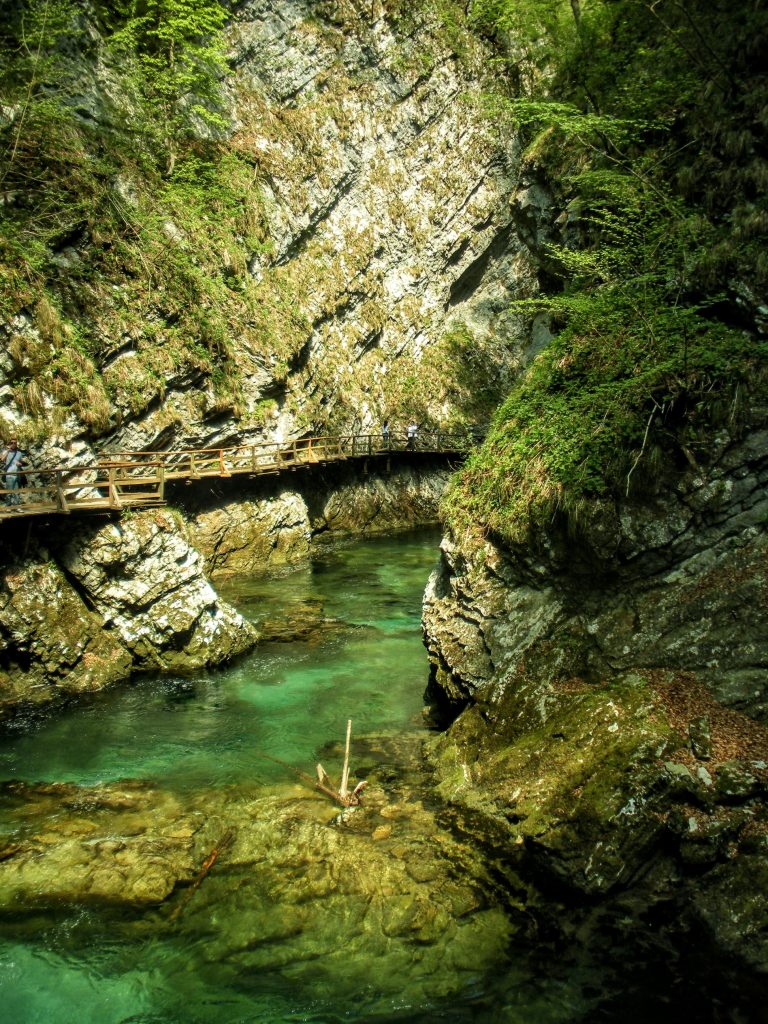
column 607, row 693
column 387, row 204
column 241, row 535
column 379, row 197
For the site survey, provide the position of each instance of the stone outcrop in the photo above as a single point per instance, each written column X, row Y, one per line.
column 608, row 694
column 246, row 534
column 239, row 537
column 147, row 583
column 50, row 640
column 670, row 584
column 110, row 599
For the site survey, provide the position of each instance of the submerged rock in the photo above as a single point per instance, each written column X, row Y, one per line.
column 297, row 888
column 122, row 845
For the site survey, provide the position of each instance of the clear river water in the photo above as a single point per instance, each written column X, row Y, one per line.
column 386, row 916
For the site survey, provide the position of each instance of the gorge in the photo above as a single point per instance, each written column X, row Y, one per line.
column 255, row 222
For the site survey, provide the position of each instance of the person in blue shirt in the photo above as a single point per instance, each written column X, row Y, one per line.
column 13, row 462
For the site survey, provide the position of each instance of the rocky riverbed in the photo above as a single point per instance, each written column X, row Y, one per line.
column 295, row 884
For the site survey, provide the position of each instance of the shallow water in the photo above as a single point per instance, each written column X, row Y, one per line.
column 318, row 925
column 348, row 646
column 342, row 640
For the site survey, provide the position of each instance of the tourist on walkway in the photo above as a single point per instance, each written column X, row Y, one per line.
column 12, row 462
column 411, row 432
column 385, row 433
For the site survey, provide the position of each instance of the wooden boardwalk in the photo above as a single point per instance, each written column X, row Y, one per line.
column 123, row 480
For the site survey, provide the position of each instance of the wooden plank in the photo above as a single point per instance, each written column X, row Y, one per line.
column 136, row 479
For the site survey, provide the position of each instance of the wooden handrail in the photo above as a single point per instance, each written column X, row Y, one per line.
column 135, row 479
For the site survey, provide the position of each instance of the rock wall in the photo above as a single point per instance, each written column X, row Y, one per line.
column 608, row 698
column 85, row 608
column 102, row 601
column 280, row 524
column 384, row 195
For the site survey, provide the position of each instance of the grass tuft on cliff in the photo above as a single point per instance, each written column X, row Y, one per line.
column 645, row 122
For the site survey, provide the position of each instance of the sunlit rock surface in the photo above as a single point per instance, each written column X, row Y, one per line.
column 388, row 215
column 241, row 534
column 50, row 640
column 148, row 585
column 295, row 885
column 607, row 694
column 119, row 597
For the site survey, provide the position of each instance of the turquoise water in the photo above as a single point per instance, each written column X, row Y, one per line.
column 348, row 646
column 388, row 920
column 341, row 640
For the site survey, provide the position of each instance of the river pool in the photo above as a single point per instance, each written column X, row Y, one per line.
column 384, row 917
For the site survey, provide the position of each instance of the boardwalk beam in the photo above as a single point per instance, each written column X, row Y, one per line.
column 138, row 479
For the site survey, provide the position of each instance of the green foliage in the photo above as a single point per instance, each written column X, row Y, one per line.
column 578, row 426
column 123, row 217
column 468, row 373
column 177, row 51
column 643, row 118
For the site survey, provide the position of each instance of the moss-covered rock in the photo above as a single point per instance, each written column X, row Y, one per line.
column 51, row 643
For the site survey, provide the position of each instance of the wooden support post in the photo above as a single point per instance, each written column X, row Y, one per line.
column 114, row 497
column 60, row 499
column 161, row 482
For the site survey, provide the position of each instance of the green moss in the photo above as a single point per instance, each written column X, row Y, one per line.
column 569, row 769
column 656, row 179
column 616, row 385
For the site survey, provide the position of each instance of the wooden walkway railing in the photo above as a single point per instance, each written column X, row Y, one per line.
column 138, row 479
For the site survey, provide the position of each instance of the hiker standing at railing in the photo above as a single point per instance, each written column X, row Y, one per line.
column 13, row 461
column 411, row 433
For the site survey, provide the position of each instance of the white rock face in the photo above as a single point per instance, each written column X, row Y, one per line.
column 50, row 642
column 386, row 188
column 148, row 585
column 388, row 203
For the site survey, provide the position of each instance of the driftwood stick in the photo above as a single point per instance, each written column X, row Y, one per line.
column 205, row 867
column 323, row 782
column 343, row 788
